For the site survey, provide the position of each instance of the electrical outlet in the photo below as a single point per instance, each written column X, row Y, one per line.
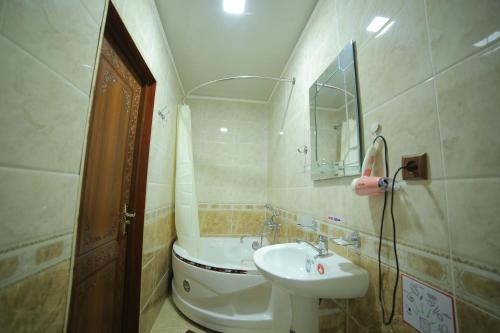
column 420, row 161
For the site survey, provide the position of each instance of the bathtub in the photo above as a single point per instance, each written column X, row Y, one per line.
column 224, row 291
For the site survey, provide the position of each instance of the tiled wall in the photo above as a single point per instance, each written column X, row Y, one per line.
column 159, row 235
column 430, row 80
column 230, row 166
column 47, row 61
column 225, row 220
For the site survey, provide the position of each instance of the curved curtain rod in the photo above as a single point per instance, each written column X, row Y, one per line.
column 237, row 77
column 335, row 88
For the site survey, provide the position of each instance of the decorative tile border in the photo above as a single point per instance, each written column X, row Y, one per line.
column 23, row 262
column 157, row 213
column 232, row 207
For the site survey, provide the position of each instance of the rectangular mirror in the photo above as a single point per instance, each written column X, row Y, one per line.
column 334, row 116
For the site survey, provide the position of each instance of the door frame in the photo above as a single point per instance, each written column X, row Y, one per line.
column 117, row 34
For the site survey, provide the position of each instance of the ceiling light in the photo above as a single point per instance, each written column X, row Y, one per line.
column 281, row 132
column 377, row 23
column 234, row 6
column 223, row 129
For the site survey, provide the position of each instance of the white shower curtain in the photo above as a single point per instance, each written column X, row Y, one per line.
column 186, row 203
column 349, row 142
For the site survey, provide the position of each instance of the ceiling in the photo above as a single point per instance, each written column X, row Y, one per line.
column 208, row 43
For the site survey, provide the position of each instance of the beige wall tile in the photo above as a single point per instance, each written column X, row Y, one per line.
column 474, row 207
column 355, row 16
column 229, row 166
column 460, row 28
column 481, row 287
column 148, row 282
column 151, row 311
column 352, row 326
column 334, row 322
column 35, row 205
column 410, row 125
column 8, row 267
column 42, row 118
column 2, row 11
column 471, row 319
column 397, row 59
column 427, row 266
column 468, row 106
column 416, row 207
column 49, row 252
column 245, row 223
column 95, row 8
column 36, row 304
column 215, row 222
column 157, row 195
column 63, row 35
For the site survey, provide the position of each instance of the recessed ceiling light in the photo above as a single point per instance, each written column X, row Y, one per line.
column 377, row 23
column 234, row 6
column 223, row 129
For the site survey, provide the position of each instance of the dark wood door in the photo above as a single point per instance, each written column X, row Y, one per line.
column 100, row 256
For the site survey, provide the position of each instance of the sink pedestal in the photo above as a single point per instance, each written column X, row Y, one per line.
column 304, row 314
column 295, row 268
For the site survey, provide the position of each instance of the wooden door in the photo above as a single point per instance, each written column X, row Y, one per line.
column 100, row 256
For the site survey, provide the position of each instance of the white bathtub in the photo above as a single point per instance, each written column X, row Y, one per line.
column 224, row 291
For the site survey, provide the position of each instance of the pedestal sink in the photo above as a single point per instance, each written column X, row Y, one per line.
column 296, row 268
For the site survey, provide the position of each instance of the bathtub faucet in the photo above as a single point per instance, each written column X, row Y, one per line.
column 322, row 246
column 274, row 212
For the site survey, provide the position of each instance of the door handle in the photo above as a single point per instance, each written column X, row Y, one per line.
column 126, row 218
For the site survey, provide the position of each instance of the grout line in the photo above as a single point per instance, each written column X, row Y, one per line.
column 443, row 164
column 35, row 241
column 478, row 53
column 46, row 66
column 89, row 14
column 400, row 94
column 35, row 169
column 164, row 276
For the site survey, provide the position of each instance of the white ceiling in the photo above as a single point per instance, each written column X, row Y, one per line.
column 208, row 43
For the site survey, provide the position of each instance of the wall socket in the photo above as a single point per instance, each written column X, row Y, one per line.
column 421, row 161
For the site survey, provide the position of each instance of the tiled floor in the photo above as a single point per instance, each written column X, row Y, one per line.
column 170, row 320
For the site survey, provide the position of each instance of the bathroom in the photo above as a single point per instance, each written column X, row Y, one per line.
column 224, row 161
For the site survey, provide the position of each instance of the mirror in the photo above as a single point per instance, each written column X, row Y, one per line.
column 334, row 115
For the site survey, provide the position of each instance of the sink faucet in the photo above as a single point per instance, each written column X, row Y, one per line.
column 322, row 246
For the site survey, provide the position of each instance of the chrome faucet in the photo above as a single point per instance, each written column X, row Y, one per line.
column 322, row 246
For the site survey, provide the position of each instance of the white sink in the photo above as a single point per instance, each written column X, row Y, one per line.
column 287, row 266
column 296, row 268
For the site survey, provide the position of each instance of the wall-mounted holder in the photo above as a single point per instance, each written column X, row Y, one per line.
column 162, row 114
column 313, row 226
column 375, row 129
column 303, row 150
column 351, row 238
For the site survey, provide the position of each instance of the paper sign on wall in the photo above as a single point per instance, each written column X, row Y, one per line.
column 427, row 309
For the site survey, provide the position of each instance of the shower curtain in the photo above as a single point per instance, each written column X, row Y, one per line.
column 349, row 142
column 186, row 203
